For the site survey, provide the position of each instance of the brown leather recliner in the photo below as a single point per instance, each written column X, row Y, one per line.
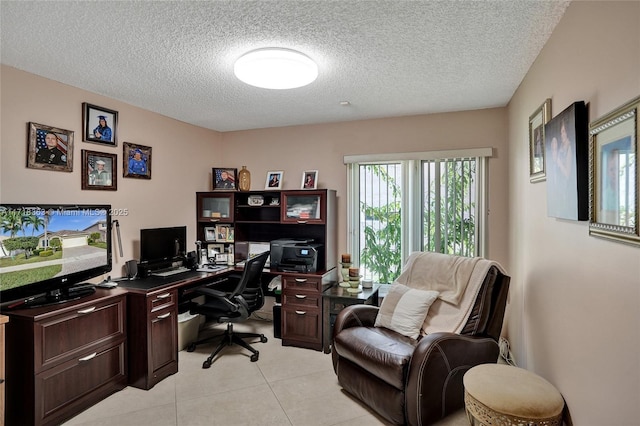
column 417, row 382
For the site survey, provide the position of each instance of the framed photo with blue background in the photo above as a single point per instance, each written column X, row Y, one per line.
column 613, row 175
column 100, row 124
column 567, row 163
column 136, row 161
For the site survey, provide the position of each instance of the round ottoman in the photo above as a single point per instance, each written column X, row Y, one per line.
column 499, row 394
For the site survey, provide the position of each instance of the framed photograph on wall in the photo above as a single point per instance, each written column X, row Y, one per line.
column 136, row 161
column 274, row 180
column 99, row 170
column 537, row 121
column 613, row 175
column 309, row 179
column 100, row 124
column 224, row 178
column 567, row 163
column 49, row 148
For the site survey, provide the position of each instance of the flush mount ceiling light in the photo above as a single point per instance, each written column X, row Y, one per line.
column 275, row 68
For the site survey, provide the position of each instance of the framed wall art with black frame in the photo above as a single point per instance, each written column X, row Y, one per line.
column 49, row 148
column 613, row 175
column 99, row 170
column 136, row 161
column 537, row 121
column 100, row 125
column 566, row 144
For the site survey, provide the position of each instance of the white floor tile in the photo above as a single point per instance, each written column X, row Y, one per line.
column 287, row 386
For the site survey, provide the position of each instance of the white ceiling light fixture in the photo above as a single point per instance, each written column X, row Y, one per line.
column 276, row 68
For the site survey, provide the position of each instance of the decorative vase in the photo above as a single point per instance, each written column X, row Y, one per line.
column 244, row 179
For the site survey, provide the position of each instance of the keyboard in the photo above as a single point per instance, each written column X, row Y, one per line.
column 172, row 271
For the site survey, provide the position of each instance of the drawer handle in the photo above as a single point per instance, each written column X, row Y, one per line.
column 164, row 296
column 87, row 311
column 164, row 316
column 303, row 221
column 88, row 357
column 301, row 280
column 301, row 296
column 214, row 220
column 301, row 312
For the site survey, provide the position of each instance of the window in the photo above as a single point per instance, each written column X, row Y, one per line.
column 401, row 203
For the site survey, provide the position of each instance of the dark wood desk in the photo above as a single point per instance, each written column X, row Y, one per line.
column 152, row 329
column 336, row 299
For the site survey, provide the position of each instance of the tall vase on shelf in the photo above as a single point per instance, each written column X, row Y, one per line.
column 244, row 179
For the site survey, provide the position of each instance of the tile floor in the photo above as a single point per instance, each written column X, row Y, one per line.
column 287, row 386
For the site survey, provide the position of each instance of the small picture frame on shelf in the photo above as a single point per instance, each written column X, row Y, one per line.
column 224, row 178
column 274, row 180
column 223, row 232
column 309, row 179
column 210, row 233
column 215, row 249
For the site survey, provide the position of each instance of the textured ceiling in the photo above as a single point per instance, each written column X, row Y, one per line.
column 387, row 58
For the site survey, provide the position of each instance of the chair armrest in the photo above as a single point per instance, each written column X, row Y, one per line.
column 434, row 380
column 219, row 295
column 355, row 316
column 211, row 292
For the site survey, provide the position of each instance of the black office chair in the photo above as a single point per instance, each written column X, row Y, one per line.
column 234, row 306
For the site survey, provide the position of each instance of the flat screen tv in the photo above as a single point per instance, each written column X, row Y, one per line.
column 162, row 245
column 46, row 251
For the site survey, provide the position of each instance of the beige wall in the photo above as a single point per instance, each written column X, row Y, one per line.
column 323, row 147
column 574, row 306
column 579, row 296
column 182, row 156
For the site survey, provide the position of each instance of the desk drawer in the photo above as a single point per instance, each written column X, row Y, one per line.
column 303, row 299
column 66, row 336
column 162, row 300
column 302, row 282
column 68, row 383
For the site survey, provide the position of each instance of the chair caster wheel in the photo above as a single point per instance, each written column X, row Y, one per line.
column 263, row 339
column 191, row 347
column 206, row 364
column 254, row 357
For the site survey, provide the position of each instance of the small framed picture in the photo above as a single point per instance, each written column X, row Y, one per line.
column 215, row 249
column 222, row 233
column 100, row 124
column 224, row 178
column 99, row 170
column 274, row 180
column 49, row 148
column 136, row 161
column 309, row 179
column 210, row 233
column 537, row 121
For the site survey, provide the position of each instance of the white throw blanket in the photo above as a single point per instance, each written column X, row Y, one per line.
column 458, row 280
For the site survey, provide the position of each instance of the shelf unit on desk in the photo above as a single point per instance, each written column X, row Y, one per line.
column 291, row 214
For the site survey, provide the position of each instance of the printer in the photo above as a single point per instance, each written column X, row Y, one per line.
column 296, row 255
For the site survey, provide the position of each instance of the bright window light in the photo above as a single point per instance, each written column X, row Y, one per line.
column 276, row 68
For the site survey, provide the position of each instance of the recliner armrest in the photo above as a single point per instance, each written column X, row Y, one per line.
column 434, row 380
column 355, row 316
